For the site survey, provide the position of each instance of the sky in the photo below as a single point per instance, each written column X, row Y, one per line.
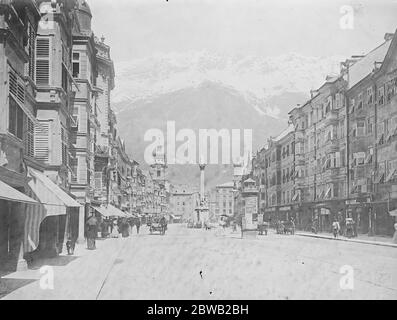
column 140, row 28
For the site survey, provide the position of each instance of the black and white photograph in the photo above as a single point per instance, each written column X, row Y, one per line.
column 198, row 150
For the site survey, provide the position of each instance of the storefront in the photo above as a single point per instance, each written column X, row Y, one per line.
column 12, row 218
column 48, row 223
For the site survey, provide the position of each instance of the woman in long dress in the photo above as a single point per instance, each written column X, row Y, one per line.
column 115, row 230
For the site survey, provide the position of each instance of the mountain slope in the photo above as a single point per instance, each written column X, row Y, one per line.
column 208, row 106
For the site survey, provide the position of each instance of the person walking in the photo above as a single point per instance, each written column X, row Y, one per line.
column 335, row 228
column 137, row 224
column 115, row 231
column 395, row 233
column 92, row 232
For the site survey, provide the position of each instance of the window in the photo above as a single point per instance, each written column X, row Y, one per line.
column 369, row 96
column 381, row 94
column 329, row 104
column 15, row 119
column 360, row 128
column 352, row 105
column 42, row 61
column 64, row 141
column 360, row 101
column 76, row 65
column 65, row 79
column 31, row 48
column 29, row 138
column 41, row 141
column 369, row 126
column 158, row 173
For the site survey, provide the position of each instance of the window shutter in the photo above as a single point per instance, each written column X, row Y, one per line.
column 16, row 86
column 29, row 139
column 43, row 61
column 41, row 141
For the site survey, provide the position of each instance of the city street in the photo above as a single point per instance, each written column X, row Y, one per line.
column 199, row 264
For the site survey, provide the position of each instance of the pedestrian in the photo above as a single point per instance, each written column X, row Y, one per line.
column 124, row 228
column 92, row 232
column 395, row 233
column 115, row 231
column 137, row 224
column 335, row 228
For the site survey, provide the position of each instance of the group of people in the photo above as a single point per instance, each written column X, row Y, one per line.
column 113, row 227
column 350, row 228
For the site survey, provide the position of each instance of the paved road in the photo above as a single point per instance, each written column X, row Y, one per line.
column 197, row 264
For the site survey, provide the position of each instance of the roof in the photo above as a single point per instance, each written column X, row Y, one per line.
column 285, row 133
column 363, row 67
column 249, row 181
column 10, row 194
column 226, row 185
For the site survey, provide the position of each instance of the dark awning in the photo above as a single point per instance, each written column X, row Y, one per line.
column 10, row 194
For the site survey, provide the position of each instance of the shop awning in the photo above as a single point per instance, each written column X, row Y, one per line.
column 114, row 212
column 393, row 213
column 48, row 193
column 52, row 201
column 102, row 210
column 10, row 194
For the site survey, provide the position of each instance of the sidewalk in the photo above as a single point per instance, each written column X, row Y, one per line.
column 77, row 277
column 362, row 238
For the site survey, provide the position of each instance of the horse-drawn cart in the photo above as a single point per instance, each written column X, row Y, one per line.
column 157, row 227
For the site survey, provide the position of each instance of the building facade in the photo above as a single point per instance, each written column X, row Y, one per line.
column 337, row 159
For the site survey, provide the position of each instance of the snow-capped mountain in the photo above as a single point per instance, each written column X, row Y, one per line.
column 211, row 91
column 258, row 78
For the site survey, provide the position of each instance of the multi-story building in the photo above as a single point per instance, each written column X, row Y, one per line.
column 158, row 172
column 18, row 26
column 274, row 174
column 85, row 110
column 342, row 157
column 105, row 141
column 183, row 201
column 223, row 196
column 372, row 123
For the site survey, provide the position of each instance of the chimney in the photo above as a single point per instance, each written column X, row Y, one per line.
column 389, row 36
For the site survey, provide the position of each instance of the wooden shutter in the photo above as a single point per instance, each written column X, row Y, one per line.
column 43, row 61
column 41, row 141
column 29, row 139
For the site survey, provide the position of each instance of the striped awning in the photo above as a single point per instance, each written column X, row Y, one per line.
column 52, row 201
column 10, row 194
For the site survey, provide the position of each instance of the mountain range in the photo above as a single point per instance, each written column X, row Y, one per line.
column 199, row 90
